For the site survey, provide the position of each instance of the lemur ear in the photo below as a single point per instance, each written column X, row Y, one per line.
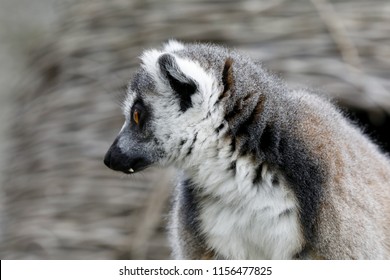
column 182, row 85
column 227, row 78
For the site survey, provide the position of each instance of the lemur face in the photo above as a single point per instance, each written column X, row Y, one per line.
column 169, row 101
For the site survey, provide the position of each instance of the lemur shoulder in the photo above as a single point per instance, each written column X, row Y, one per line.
column 266, row 172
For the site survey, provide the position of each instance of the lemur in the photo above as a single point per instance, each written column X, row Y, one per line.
column 266, row 172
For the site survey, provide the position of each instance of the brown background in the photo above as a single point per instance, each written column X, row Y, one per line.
column 60, row 95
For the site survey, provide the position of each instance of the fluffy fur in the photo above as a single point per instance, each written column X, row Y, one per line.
column 267, row 172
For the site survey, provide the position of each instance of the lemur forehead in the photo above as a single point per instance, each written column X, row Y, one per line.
column 140, row 85
column 142, row 82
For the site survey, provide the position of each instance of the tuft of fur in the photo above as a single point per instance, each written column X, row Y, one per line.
column 267, row 172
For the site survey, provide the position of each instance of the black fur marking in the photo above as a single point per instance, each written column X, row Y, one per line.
column 183, row 86
column 189, row 151
column 218, row 129
column 156, row 141
column 303, row 254
column 235, row 112
column 303, row 172
column 258, row 178
column 233, row 145
column 189, row 206
column 232, row 167
column 275, row 180
column 227, row 78
column 244, row 127
column 285, row 213
column 267, row 138
column 245, row 149
column 192, row 144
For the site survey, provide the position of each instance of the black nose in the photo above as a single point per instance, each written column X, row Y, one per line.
column 107, row 159
column 116, row 160
column 127, row 163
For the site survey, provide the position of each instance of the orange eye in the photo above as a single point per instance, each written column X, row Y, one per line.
column 136, row 116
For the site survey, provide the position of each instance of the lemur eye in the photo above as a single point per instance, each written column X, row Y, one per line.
column 136, row 116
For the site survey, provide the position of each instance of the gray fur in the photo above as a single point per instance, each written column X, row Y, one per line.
column 240, row 132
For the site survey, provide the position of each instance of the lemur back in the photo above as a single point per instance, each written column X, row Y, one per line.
column 266, row 172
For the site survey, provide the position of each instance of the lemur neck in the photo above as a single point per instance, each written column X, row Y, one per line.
column 231, row 148
column 217, row 166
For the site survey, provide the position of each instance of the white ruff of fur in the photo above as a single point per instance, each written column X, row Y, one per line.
column 241, row 220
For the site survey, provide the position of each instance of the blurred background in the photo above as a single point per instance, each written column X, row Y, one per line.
column 64, row 65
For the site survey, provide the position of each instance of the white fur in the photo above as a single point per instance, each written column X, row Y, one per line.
column 127, row 103
column 149, row 63
column 242, row 221
column 173, row 46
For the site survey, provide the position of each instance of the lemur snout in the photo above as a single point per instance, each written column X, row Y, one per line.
column 127, row 163
column 116, row 160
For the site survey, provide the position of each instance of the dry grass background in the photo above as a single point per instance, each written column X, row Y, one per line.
column 60, row 202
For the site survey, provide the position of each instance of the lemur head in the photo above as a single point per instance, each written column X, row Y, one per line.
column 178, row 97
